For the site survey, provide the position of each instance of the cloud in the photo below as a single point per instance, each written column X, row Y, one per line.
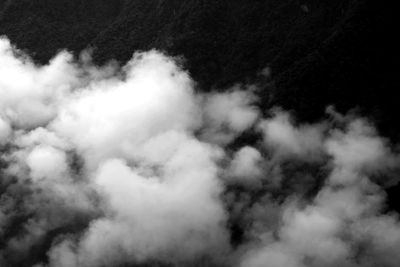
column 124, row 165
column 93, row 146
column 288, row 140
column 336, row 227
column 272, row 256
column 153, row 216
column 245, row 166
column 228, row 114
column 47, row 163
column 5, row 131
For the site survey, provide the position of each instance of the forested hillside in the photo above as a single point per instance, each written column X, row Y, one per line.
column 320, row 52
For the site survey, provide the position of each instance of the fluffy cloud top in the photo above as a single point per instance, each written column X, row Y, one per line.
column 117, row 166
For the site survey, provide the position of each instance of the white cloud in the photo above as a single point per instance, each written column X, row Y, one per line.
column 120, row 165
column 245, row 167
column 228, row 115
column 288, row 140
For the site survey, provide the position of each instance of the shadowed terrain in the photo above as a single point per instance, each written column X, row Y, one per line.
column 319, row 52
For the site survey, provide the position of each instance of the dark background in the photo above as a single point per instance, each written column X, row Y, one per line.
column 321, row 52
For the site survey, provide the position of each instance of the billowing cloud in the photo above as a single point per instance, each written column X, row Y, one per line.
column 117, row 166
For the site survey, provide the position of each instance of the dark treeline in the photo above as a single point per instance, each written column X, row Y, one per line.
column 320, row 52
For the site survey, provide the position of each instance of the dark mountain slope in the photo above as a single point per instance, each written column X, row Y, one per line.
column 353, row 67
column 321, row 52
column 223, row 40
column 43, row 27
